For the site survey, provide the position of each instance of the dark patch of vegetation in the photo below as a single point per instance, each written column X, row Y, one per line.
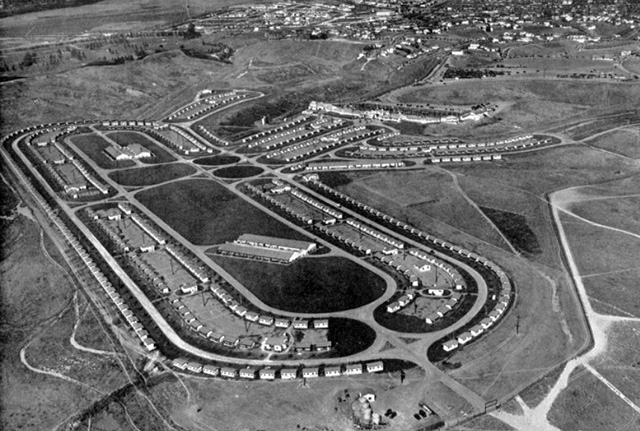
column 515, row 228
column 238, row 172
column 322, row 285
column 206, row 213
column 17, row 7
column 151, row 175
column 391, row 365
column 335, row 179
column 217, row 160
column 349, row 336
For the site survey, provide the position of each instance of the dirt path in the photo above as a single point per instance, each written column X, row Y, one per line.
column 536, row 419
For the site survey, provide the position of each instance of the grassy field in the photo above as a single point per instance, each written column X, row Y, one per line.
column 618, row 212
column 313, row 285
column 625, row 142
column 620, row 364
column 160, row 155
column 217, row 160
column 608, row 263
column 94, row 146
column 588, row 404
column 151, row 175
column 206, row 213
column 425, row 198
column 237, row 172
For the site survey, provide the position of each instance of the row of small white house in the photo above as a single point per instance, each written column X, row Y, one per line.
column 251, row 373
column 212, row 137
column 268, row 135
column 147, row 341
column 144, row 225
column 308, row 142
column 191, row 139
column 263, row 319
column 206, row 104
column 375, row 233
column 190, row 263
column 97, row 184
column 305, row 218
column 478, row 329
column 466, row 158
column 332, row 141
column 316, row 204
column 274, row 141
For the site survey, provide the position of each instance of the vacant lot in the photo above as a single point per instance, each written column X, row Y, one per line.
column 617, row 212
column 93, row 146
column 206, row 213
column 588, row 404
column 159, row 154
column 608, row 263
column 312, row 285
column 625, row 142
column 151, row 175
column 424, row 198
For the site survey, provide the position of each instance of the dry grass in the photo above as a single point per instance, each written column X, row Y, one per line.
column 588, row 404
column 625, row 142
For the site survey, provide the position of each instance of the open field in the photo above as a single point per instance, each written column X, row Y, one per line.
column 625, row 142
column 105, row 16
column 309, row 285
column 618, row 212
column 159, row 154
column 151, row 175
column 608, row 263
column 621, row 363
column 588, row 404
column 93, row 146
column 206, row 213
column 422, row 196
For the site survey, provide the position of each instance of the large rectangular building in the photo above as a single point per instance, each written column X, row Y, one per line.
column 276, row 243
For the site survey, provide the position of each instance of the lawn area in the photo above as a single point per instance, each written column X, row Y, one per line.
column 311, row 285
column 160, row 155
column 217, row 160
column 151, row 175
column 206, row 213
column 93, row 146
column 618, row 212
column 238, row 172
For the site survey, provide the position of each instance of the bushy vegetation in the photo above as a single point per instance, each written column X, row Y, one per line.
column 515, row 228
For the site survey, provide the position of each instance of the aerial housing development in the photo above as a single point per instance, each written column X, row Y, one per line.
column 400, row 215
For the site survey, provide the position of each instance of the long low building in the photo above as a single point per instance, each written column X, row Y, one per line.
column 276, row 243
column 268, row 254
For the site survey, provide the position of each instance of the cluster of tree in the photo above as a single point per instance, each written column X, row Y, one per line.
column 461, row 73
